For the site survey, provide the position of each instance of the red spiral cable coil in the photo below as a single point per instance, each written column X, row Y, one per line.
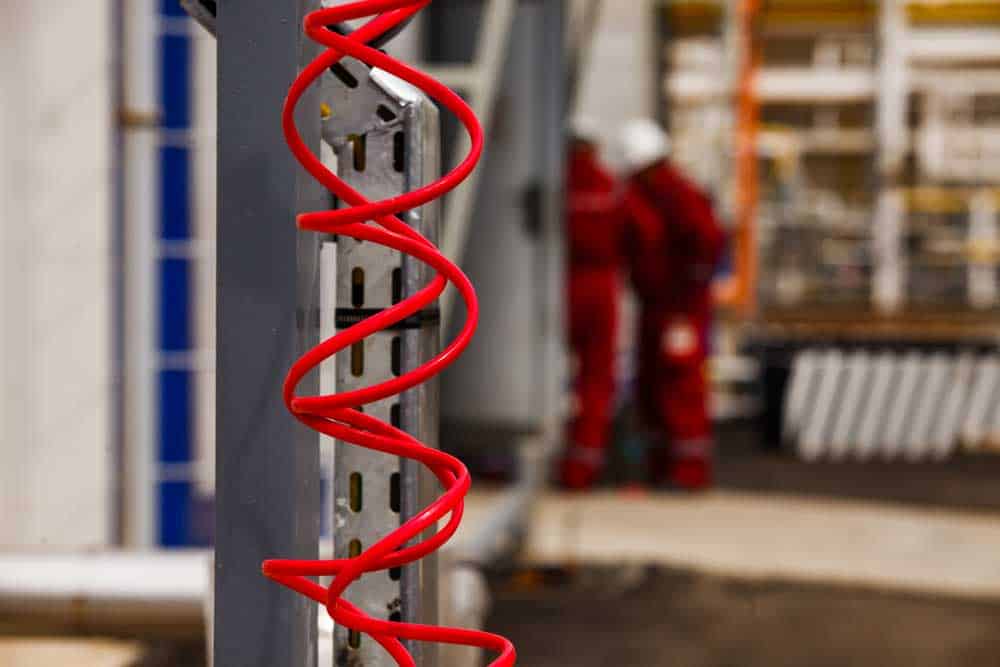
column 336, row 415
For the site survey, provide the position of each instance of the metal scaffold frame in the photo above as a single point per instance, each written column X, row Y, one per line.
column 910, row 46
column 878, row 294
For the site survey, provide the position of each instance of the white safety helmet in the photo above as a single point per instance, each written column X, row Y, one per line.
column 584, row 128
column 643, row 143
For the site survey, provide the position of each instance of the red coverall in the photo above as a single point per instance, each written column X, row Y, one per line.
column 594, row 230
column 674, row 242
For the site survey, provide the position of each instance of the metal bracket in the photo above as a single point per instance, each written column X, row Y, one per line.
column 385, row 136
column 202, row 11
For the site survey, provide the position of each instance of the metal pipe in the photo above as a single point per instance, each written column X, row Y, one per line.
column 499, row 534
column 134, row 594
column 167, row 595
column 138, row 120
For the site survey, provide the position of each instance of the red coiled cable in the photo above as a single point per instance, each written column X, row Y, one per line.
column 336, row 415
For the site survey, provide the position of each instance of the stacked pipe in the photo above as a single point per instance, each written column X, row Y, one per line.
column 906, row 404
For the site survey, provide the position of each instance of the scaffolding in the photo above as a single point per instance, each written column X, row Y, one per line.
column 855, row 145
column 877, row 139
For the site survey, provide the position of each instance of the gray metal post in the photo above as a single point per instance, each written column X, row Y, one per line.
column 386, row 139
column 551, row 146
column 889, row 283
column 267, row 489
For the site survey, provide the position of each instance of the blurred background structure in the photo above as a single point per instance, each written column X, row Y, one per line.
column 852, row 149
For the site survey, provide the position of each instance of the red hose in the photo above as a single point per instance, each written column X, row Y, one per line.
column 337, row 415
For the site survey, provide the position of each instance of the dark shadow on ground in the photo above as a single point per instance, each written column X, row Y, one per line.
column 963, row 482
column 745, row 463
column 644, row 617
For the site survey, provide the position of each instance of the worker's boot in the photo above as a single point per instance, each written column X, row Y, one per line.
column 685, row 466
column 580, row 467
column 691, row 474
column 658, row 463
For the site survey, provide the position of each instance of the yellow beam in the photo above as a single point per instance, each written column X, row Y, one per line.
column 942, row 200
column 693, row 17
column 707, row 15
column 833, row 13
column 951, row 12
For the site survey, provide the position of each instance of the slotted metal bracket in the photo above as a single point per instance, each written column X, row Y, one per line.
column 385, row 136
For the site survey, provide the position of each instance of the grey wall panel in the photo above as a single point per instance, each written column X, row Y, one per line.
column 510, row 261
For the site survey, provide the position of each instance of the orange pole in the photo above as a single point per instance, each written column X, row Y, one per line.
column 738, row 291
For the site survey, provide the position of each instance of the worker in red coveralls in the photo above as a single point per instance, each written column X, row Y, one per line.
column 674, row 242
column 594, row 240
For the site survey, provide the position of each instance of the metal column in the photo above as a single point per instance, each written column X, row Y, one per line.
column 140, row 194
column 983, row 234
column 385, row 136
column 889, row 282
column 550, row 354
column 267, row 489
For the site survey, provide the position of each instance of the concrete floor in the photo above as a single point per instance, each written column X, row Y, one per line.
column 931, row 527
column 760, row 536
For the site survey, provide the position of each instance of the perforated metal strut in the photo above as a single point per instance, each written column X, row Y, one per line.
column 385, row 140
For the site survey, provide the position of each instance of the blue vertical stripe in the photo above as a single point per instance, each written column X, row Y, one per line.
column 171, row 8
column 175, row 384
column 175, row 193
column 175, row 81
column 175, row 305
column 175, row 417
column 175, row 514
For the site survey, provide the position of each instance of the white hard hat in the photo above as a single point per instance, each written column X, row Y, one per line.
column 644, row 143
column 584, row 128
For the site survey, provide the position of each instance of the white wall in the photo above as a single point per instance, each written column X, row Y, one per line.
column 55, row 215
column 617, row 79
